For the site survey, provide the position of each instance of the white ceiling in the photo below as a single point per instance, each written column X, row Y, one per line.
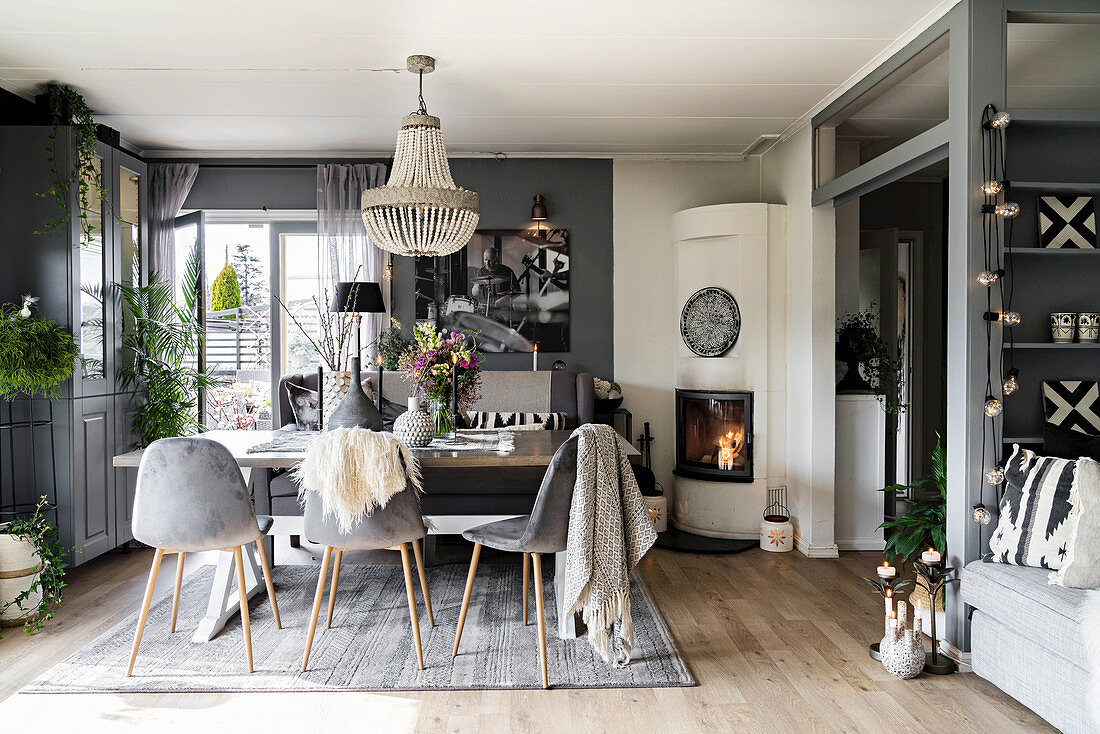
column 298, row 77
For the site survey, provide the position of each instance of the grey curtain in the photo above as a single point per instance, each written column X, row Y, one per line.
column 169, row 184
column 344, row 248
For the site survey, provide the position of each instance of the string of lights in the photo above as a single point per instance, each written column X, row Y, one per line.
column 997, row 213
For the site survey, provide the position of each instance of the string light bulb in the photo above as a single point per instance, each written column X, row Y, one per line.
column 992, row 188
column 981, row 515
column 1011, row 384
column 995, row 476
column 993, row 406
column 1007, row 209
column 989, row 277
column 1010, row 318
column 999, row 121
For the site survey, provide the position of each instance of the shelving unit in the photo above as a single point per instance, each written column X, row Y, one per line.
column 1049, row 152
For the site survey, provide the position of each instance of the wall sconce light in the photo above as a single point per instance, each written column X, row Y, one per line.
column 538, row 213
column 389, row 269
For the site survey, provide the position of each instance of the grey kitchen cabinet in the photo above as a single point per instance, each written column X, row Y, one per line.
column 72, row 270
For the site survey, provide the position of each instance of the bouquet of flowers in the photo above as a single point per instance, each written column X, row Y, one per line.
column 428, row 363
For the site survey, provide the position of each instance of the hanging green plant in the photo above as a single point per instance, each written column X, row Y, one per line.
column 36, row 354
column 68, row 109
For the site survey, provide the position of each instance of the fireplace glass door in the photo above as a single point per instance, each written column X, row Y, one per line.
column 714, row 435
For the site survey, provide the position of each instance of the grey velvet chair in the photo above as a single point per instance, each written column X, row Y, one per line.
column 191, row 497
column 395, row 526
column 545, row 530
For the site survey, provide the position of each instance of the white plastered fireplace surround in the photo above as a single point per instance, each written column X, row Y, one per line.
column 740, row 248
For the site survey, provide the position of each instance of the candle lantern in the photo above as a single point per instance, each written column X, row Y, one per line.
column 776, row 530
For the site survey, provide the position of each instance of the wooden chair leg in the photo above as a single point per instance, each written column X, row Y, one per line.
column 242, row 587
column 267, row 582
column 423, row 582
column 536, row 558
column 332, row 589
column 157, row 558
column 316, row 605
column 526, row 584
column 412, row 605
column 466, row 596
column 176, row 593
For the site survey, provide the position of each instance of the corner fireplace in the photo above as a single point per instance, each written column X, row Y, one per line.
column 714, row 435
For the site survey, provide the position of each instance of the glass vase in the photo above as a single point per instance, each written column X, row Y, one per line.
column 442, row 418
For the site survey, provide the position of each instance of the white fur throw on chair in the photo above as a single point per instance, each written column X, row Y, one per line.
column 355, row 471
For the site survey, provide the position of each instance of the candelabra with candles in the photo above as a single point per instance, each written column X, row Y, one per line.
column 935, row 577
column 886, row 585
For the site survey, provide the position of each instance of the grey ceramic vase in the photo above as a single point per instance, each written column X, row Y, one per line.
column 356, row 410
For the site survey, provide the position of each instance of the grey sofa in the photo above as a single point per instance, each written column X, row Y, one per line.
column 1026, row 639
column 468, row 491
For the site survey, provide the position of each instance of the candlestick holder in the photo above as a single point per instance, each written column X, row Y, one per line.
column 936, row 577
column 881, row 587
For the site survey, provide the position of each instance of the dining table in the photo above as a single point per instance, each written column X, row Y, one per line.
column 530, row 449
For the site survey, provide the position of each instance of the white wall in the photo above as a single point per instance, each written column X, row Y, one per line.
column 786, row 177
column 647, row 193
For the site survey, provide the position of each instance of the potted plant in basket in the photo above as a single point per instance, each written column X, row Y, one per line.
column 428, row 365
column 870, row 368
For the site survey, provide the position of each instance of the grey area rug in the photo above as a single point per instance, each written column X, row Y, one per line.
column 369, row 647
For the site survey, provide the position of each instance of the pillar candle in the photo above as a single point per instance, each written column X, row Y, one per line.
column 886, row 571
column 378, row 387
column 889, row 604
column 454, row 390
column 931, row 557
column 535, row 359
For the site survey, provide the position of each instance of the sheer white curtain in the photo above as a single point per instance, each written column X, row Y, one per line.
column 169, row 184
column 344, row 246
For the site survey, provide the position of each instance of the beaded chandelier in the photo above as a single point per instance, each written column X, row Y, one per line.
column 420, row 211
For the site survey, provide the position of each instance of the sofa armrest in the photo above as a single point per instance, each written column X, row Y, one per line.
column 586, row 398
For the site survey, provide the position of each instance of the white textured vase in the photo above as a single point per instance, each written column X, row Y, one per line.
column 20, row 566
column 334, row 386
column 903, row 654
column 414, row 427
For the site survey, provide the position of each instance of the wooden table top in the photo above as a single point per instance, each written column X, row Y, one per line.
column 533, row 448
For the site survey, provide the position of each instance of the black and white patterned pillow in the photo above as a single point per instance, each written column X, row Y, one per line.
column 1067, row 221
column 303, row 403
column 1033, row 528
column 1073, row 404
column 488, row 420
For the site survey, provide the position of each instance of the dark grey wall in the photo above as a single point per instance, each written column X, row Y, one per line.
column 578, row 196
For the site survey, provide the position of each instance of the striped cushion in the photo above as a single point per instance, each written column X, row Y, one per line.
column 1033, row 528
column 488, row 420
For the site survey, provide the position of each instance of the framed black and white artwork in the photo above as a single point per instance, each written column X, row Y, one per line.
column 508, row 288
column 1067, row 221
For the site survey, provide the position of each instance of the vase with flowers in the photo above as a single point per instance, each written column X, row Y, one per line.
column 434, row 361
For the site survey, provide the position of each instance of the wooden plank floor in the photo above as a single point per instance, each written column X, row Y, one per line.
column 777, row 643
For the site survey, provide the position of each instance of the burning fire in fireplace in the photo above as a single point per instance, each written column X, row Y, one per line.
column 729, row 448
column 714, row 435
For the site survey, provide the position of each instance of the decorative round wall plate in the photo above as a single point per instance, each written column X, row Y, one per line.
column 710, row 322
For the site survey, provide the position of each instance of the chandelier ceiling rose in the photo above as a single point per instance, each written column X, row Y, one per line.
column 420, row 211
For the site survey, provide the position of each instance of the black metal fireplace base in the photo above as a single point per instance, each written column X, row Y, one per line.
column 685, row 542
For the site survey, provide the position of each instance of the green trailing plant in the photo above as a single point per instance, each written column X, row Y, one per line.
column 225, row 291
column 164, row 338
column 36, row 354
column 390, row 345
column 925, row 523
column 68, row 109
column 859, row 340
column 51, row 579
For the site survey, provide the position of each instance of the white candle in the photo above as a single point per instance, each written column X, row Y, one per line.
column 886, row 571
column 930, row 557
column 917, row 621
column 535, row 359
column 889, row 597
column 901, row 614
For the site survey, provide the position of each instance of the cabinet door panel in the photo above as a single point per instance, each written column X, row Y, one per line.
column 125, row 479
column 93, row 479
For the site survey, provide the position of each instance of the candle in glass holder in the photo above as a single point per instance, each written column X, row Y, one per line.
column 886, row 571
column 931, row 557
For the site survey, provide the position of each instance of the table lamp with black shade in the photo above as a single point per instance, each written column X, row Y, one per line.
column 356, row 409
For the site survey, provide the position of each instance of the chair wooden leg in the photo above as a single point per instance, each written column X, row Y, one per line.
column 157, row 558
column 423, row 582
column 412, row 605
column 316, row 605
column 526, row 584
column 242, row 587
column 536, row 558
column 176, row 593
column 267, row 582
column 466, row 596
column 332, row 589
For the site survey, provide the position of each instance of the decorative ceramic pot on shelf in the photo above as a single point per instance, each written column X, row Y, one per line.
column 414, row 427
column 1062, row 327
column 1088, row 327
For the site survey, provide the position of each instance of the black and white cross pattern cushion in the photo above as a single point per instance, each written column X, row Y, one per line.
column 1033, row 528
column 487, row 420
column 1073, row 404
column 1067, row 221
